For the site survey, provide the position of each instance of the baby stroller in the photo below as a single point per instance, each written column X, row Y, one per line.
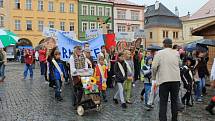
column 90, row 98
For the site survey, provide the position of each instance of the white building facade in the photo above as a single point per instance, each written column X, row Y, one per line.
column 128, row 17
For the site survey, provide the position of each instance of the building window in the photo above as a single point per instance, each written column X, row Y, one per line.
column 62, row 7
column 28, row 4
column 121, row 14
column 29, row 25
column 71, row 26
column 17, row 25
column 40, row 5
column 84, row 9
column 84, row 26
column 99, row 26
column 175, row 35
column 165, row 34
column 1, row 3
column 100, row 11
column 107, row 11
column 71, row 8
column 1, row 21
column 17, row 4
column 92, row 10
column 135, row 27
column 62, row 26
column 135, row 15
column 121, row 28
column 51, row 24
column 92, row 25
column 151, row 35
column 40, row 25
column 51, row 6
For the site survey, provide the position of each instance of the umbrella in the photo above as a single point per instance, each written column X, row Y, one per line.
column 207, row 42
column 7, row 38
column 154, row 47
column 200, row 45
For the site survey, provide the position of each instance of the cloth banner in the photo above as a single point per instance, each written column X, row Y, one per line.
column 66, row 45
column 51, row 32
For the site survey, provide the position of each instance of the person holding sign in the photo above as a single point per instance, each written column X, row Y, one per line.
column 58, row 74
column 77, row 61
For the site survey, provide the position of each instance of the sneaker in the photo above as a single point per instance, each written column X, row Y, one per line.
column 128, row 102
column 189, row 105
column 59, row 98
column 148, row 107
column 115, row 101
column 124, row 106
column 199, row 100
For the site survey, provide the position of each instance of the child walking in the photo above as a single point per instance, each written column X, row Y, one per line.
column 58, row 74
column 146, row 70
column 28, row 64
column 187, row 79
column 101, row 76
column 120, row 70
column 130, row 72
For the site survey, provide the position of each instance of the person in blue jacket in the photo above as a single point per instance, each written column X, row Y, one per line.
column 57, row 73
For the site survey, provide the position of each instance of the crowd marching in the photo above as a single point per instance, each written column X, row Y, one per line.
column 163, row 72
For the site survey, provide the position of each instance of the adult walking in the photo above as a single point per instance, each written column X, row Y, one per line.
column 165, row 69
column 77, row 61
column 3, row 61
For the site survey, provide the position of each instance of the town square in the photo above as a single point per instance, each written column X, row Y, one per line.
column 107, row 60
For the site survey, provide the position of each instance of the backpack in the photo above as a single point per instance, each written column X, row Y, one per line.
column 1, row 58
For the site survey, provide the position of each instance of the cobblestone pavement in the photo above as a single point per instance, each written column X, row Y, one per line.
column 34, row 101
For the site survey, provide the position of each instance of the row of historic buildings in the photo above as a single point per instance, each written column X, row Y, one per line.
column 27, row 18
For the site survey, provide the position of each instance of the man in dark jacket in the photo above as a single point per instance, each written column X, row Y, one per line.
column 120, row 70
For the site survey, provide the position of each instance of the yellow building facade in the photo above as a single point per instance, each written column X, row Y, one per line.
column 156, row 35
column 204, row 15
column 190, row 25
column 27, row 18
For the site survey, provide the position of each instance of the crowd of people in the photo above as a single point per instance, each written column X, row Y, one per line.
column 163, row 72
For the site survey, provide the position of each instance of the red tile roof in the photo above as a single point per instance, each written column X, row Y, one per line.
column 207, row 10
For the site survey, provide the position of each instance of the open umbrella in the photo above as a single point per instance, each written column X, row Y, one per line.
column 154, row 47
column 207, row 42
column 7, row 38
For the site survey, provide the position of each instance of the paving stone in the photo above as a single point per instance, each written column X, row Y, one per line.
column 34, row 101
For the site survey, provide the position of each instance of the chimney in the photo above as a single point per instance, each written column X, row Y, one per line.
column 157, row 3
column 188, row 14
column 176, row 11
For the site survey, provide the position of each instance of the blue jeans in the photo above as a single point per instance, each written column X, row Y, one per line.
column 2, row 69
column 148, row 87
column 202, row 83
column 30, row 68
column 198, row 90
column 43, row 68
column 58, row 87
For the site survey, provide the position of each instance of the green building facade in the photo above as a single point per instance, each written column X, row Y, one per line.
column 89, row 14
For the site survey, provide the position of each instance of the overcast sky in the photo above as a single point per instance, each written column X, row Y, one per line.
column 183, row 5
